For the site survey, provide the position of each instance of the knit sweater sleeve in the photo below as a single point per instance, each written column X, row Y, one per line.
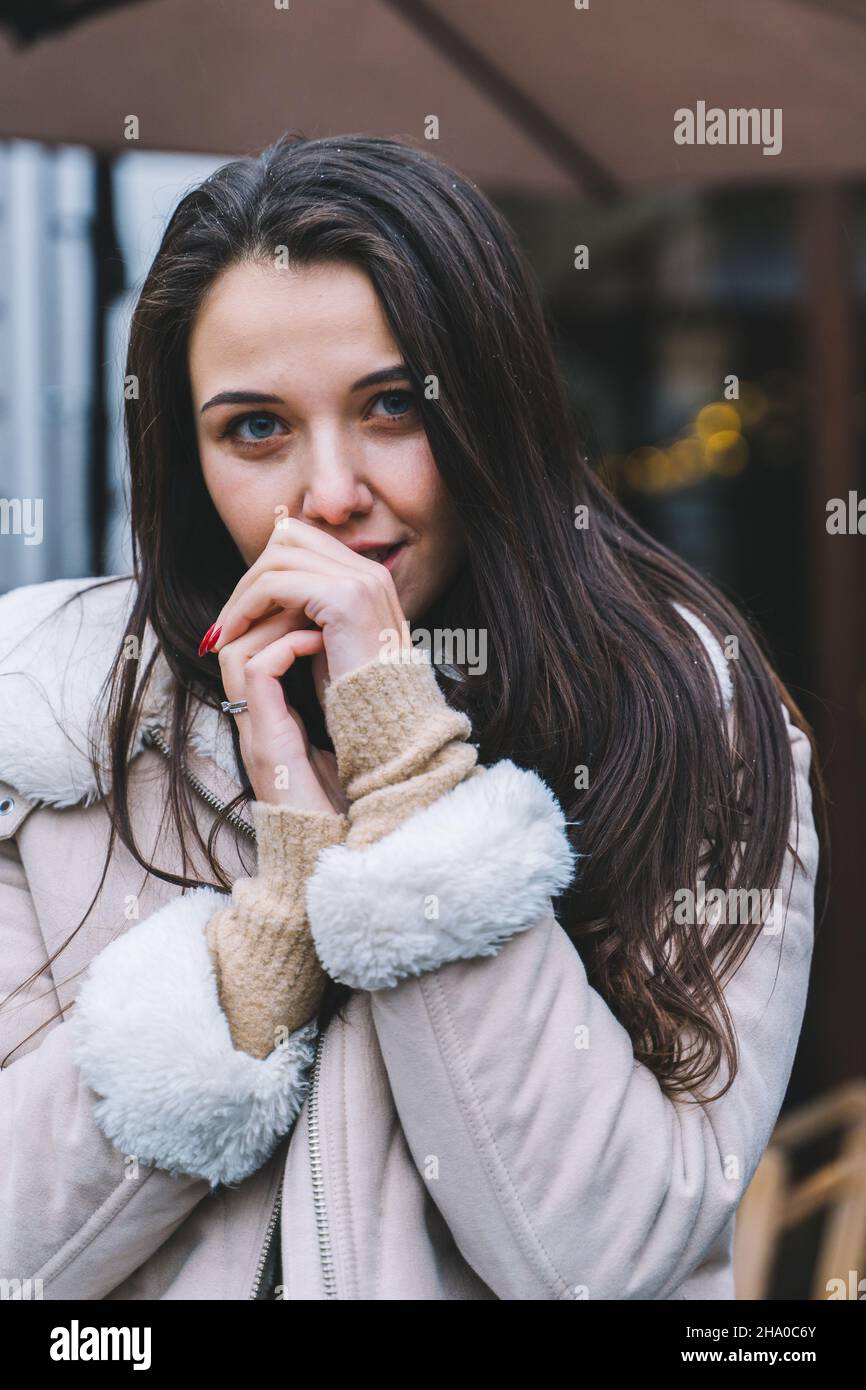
column 269, row 977
column 399, row 745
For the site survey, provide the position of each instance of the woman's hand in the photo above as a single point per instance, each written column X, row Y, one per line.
column 283, row 768
column 318, row 583
column 307, row 594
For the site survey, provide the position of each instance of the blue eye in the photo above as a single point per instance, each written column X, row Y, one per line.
column 398, row 406
column 260, row 425
column 401, row 398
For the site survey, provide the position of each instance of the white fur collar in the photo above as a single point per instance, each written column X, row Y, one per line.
column 51, row 676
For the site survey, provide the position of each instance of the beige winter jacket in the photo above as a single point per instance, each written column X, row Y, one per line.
column 449, row 1139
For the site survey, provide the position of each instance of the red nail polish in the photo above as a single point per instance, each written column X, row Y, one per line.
column 214, row 639
column 204, row 641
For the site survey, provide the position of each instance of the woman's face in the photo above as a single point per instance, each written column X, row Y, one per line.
column 303, row 435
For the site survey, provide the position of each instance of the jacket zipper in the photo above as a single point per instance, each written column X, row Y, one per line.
column 153, row 736
column 325, row 1252
column 269, row 1236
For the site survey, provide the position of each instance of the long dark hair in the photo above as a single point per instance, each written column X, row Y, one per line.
column 589, row 663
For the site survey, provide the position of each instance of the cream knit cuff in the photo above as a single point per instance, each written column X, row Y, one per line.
column 269, row 978
column 387, row 720
column 288, row 840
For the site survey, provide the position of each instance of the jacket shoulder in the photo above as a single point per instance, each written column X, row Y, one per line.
column 57, row 643
column 22, row 609
column 717, row 658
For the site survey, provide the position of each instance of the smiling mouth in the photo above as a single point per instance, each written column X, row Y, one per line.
column 385, row 553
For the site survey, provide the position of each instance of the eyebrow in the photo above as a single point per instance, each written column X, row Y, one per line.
column 397, row 372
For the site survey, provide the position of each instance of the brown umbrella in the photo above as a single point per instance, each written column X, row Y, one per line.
column 544, row 98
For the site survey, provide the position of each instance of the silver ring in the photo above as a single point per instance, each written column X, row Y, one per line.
column 234, row 706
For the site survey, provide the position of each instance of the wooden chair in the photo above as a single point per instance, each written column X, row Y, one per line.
column 775, row 1201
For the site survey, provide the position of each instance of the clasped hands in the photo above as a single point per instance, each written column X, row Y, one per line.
column 307, row 594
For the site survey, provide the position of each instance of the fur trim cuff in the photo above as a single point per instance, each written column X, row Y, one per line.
column 456, row 880
column 150, row 1038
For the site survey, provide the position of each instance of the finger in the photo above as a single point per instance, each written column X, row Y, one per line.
column 294, row 590
column 266, row 702
column 294, row 544
column 291, row 532
column 233, row 657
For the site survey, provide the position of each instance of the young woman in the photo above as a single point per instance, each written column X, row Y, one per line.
column 489, row 1011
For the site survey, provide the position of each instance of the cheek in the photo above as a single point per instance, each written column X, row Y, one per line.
column 246, row 511
column 438, row 522
column 422, row 498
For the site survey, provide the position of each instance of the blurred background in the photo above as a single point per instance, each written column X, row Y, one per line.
column 709, row 332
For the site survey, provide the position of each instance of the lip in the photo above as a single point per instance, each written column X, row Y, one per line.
column 391, row 559
column 364, row 547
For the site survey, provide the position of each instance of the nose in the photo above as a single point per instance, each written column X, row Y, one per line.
column 334, row 489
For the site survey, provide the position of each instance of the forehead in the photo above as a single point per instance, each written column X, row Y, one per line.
column 260, row 317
